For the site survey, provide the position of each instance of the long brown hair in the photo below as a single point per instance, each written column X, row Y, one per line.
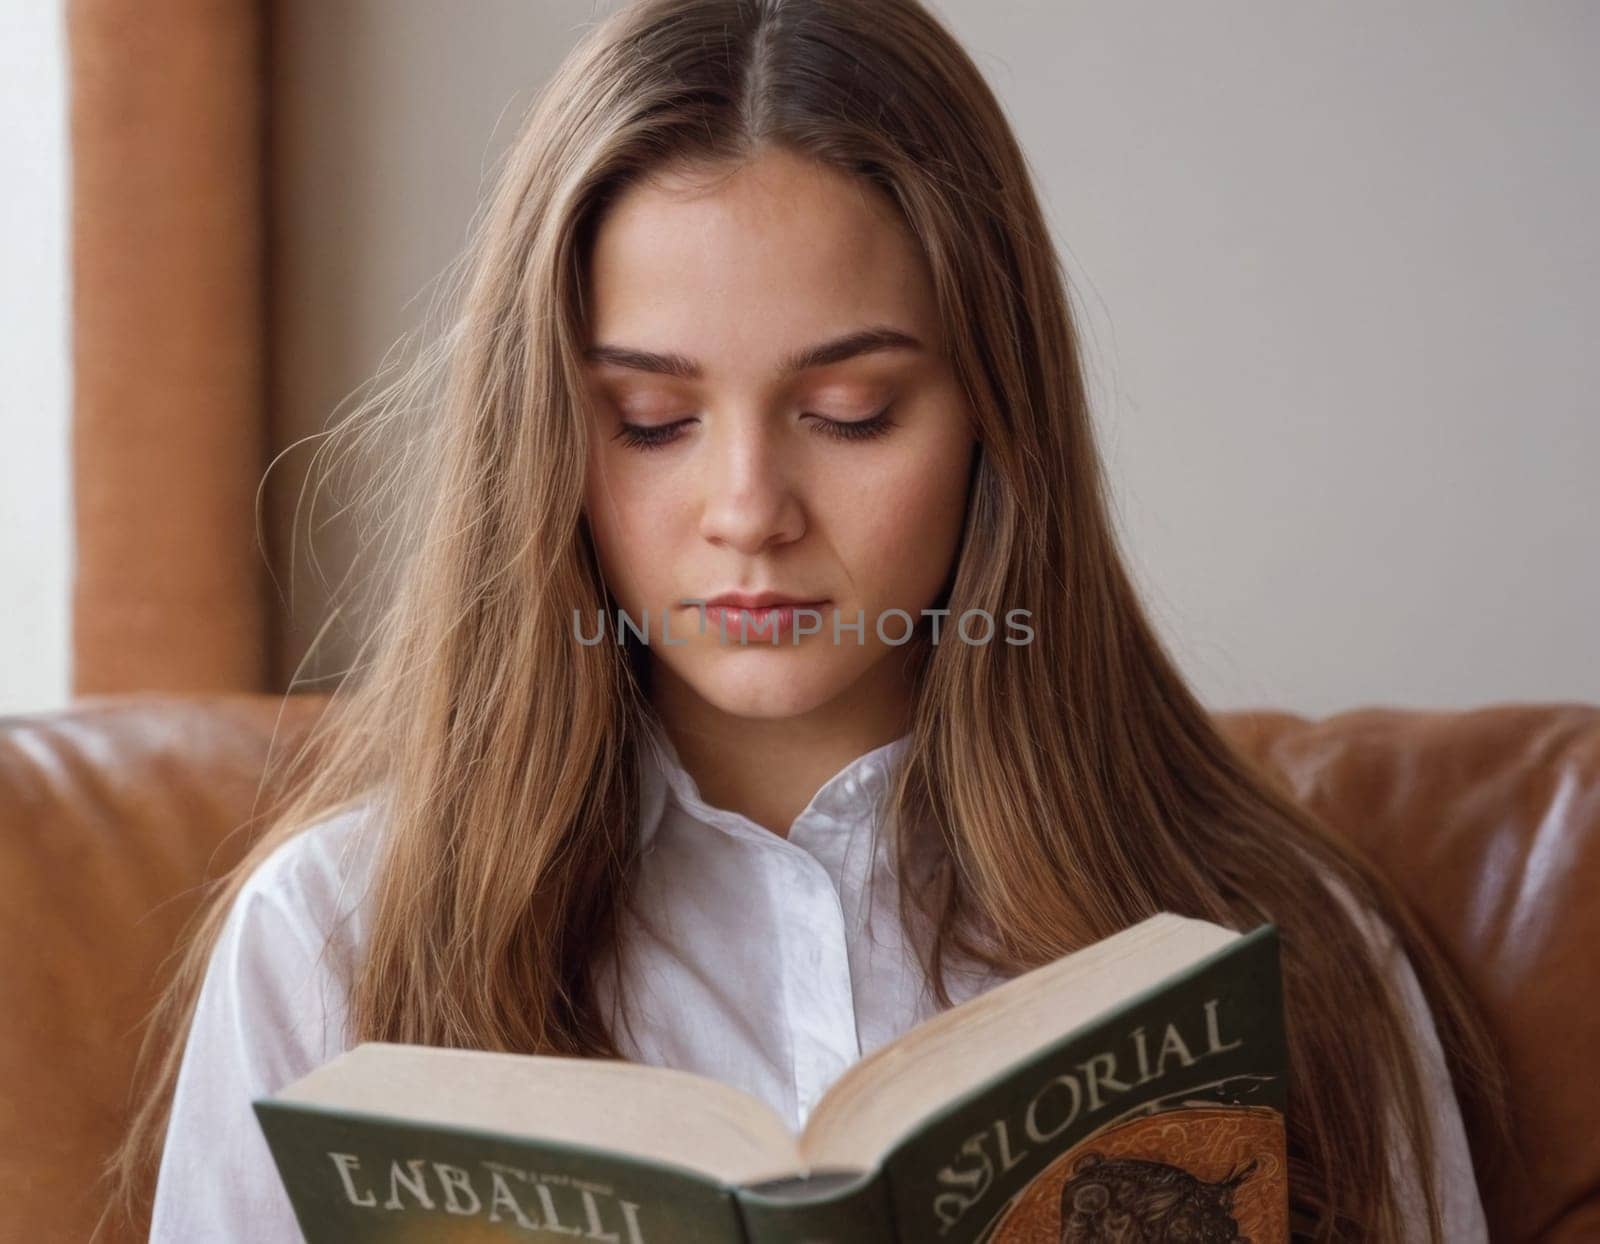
column 1076, row 783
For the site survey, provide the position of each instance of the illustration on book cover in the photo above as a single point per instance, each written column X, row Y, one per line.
column 1211, row 1174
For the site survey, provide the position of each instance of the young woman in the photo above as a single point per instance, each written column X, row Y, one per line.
column 764, row 307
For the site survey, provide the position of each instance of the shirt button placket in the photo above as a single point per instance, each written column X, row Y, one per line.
column 819, row 995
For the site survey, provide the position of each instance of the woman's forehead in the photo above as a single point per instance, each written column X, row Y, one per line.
column 780, row 252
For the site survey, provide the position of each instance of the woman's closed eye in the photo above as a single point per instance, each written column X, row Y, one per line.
column 645, row 436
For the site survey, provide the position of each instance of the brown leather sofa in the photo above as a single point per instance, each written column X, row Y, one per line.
column 113, row 810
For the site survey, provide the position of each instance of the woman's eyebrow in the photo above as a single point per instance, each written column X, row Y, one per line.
column 836, row 350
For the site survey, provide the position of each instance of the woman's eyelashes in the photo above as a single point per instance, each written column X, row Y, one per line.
column 642, row 436
column 854, row 429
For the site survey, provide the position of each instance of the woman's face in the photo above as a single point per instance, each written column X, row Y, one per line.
column 736, row 439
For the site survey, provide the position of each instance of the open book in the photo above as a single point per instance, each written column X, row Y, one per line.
column 1141, row 1076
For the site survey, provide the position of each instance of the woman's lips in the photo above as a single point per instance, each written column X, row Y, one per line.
column 765, row 623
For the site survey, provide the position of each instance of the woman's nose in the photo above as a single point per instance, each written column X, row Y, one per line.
column 751, row 501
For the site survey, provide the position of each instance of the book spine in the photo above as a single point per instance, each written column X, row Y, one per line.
column 857, row 1211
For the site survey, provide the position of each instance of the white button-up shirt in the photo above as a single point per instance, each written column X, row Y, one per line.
column 769, row 963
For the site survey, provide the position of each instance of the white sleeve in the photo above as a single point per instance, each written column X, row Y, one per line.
column 270, row 1010
column 1461, row 1205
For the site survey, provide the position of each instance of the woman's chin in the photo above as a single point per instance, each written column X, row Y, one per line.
column 769, row 685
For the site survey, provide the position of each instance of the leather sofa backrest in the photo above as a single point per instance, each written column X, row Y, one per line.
column 112, row 812
column 115, row 810
column 1488, row 821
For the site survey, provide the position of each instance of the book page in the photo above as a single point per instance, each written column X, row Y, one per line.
column 887, row 1093
column 654, row 1113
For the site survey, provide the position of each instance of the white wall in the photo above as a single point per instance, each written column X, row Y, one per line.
column 1341, row 272
column 388, row 114
column 1335, row 266
column 35, row 540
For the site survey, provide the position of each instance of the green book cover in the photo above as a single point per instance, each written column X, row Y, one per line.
column 1036, row 1113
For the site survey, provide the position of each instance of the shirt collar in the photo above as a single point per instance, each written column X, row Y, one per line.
column 855, row 793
